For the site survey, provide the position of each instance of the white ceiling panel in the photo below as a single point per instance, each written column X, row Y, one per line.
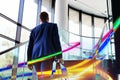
column 97, row 7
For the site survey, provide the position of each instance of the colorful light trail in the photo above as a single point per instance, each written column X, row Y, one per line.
column 116, row 24
column 42, row 58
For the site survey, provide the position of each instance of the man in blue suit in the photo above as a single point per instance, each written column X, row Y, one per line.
column 44, row 40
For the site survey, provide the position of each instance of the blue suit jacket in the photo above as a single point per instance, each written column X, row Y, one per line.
column 44, row 40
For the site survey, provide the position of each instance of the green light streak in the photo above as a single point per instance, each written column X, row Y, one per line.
column 116, row 23
column 44, row 58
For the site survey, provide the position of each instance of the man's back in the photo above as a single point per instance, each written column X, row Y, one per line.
column 46, row 40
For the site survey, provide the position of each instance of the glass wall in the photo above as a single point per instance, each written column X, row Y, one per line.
column 8, row 8
column 74, row 32
column 74, row 21
column 99, row 24
column 6, row 61
column 87, row 32
column 87, row 29
column 29, row 18
column 86, row 25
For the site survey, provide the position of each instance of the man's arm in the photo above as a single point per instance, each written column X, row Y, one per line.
column 30, row 46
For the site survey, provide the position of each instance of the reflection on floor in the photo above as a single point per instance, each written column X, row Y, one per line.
column 78, row 70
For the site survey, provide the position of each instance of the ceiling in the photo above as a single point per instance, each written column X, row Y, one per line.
column 97, row 7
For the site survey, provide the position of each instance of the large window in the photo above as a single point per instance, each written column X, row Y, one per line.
column 74, row 32
column 29, row 18
column 99, row 24
column 74, row 21
column 88, row 34
column 24, row 35
column 86, row 25
column 30, row 13
column 7, row 28
column 10, row 9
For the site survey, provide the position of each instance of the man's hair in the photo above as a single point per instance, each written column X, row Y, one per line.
column 44, row 16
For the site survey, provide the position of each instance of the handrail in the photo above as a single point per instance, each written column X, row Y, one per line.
column 80, row 35
column 16, row 46
column 13, row 21
column 8, row 38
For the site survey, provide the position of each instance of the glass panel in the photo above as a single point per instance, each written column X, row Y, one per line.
column 30, row 13
column 96, row 41
column 73, row 54
column 9, row 8
column 23, row 72
column 24, row 35
column 73, row 38
column 87, row 43
column 5, row 65
column 23, row 53
column 73, row 21
column 86, row 25
column 5, row 44
column 46, row 6
column 105, row 52
column 99, row 24
column 87, row 48
column 8, row 28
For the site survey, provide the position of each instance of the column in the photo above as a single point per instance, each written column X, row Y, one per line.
column 61, row 18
